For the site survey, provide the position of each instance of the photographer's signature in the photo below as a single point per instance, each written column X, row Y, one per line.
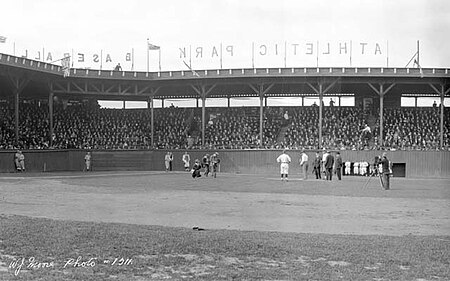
column 31, row 263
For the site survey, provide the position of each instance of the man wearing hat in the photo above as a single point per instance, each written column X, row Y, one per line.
column 324, row 160
column 214, row 160
column 385, row 171
column 284, row 161
column 338, row 165
column 329, row 162
column 304, row 164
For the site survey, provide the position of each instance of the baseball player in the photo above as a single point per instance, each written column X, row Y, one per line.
column 196, row 169
column 347, row 168
column 386, row 171
column 304, row 164
column 167, row 160
column 356, row 168
column 205, row 163
column 186, row 161
column 284, row 161
column 324, row 159
column 87, row 161
column 214, row 162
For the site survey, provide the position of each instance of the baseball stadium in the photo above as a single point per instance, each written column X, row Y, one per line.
column 121, row 214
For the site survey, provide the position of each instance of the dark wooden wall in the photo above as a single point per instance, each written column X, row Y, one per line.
column 428, row 164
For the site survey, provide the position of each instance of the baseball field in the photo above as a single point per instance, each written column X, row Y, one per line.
column 168, row 226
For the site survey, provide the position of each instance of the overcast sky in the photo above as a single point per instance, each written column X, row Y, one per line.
column 287, row 32
column 259, row 33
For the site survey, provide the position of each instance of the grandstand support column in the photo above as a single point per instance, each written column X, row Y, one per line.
column 442, row 92
column 261, row 91
column 150, row 100
column 203, row 91
column 381, row 92
column 18, row 84
column 152, row 121
column 203, row 119
column 320, row 91
column 261, row 121
column 50, row 114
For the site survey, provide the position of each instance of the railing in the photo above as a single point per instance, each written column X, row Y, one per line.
column 227, row 73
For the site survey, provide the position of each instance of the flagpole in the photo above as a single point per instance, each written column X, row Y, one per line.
column 148, row 64
column 190, row 56
column 317, row 54
column 253, row 54
column 73, row 59
column 285, row 54
column 351, row 50
column 43, row 51
column 387, row 51
column 132, row 59
column 220, row 55
column 101, row 59
column 159, row 58
column 418, row 53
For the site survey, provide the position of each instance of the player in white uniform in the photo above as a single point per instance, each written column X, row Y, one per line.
column 364, row 166
column 187, row 161
column 87, row 161
column 324, row 159
column 284, row 161
column 356, row 168
column 347, row 168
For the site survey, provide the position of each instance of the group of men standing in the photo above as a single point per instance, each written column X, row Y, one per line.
column 326, row 163
column 209, row 164
column 329, row 164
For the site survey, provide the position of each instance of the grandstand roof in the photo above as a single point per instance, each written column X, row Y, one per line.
column 40, row 78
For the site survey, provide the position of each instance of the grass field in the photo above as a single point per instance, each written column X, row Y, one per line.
column 139, row 226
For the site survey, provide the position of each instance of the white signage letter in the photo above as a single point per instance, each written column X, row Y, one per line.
column 229, row 49
column 199, row 51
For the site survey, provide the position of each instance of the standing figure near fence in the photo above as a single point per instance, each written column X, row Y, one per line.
column 87, row 161
column 347, row 170
column 304, row 164
column 19, row 161
column 187, row 161
column 356, row 168
column 329, row 164
column 317, row 166
column 167, row 161
column 205, row 163
column 284, row 161
column 324, row 159
column 214, row 163
column 385, row 172
column 338, row 165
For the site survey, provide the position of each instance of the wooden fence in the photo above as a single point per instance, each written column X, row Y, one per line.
column 418, row 164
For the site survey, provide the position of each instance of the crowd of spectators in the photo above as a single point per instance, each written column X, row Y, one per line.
column 238, row 128
column 341, row 128
column 87, row 126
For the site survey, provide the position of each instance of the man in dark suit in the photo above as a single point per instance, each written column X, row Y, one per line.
column 329, row 162
column 338, row 166
column 386, row 171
